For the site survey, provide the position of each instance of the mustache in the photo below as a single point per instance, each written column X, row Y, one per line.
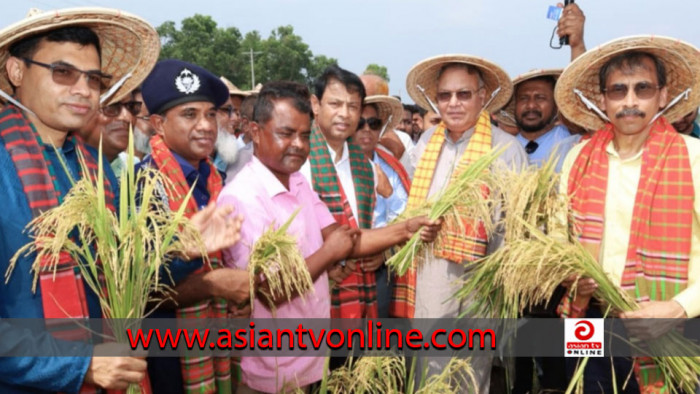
column 630, row 112
column 296, row 152
column 532, row 112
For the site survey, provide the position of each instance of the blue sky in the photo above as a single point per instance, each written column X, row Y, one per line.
column 399, row 33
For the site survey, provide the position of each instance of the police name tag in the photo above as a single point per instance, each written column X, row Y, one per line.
column 554, row 13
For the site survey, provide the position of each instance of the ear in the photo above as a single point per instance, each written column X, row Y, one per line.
column 482, row 96
column 255, row 133
column 603, row 103
column 15, row 70
column 315, row 105
column 663, row 97
column 157, row 123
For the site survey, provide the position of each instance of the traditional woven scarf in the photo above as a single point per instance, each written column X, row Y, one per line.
column 456, row 245
column 62, row 295
column 396, row 165
column 200, row 374
column 356, row 296
column 656, row 268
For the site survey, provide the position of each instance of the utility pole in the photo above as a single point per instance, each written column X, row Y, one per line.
column 252, row 66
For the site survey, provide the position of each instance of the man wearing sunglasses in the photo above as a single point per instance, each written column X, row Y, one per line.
column 632, row 189
column 56, row 78
column 111, row 125
column 466, row 89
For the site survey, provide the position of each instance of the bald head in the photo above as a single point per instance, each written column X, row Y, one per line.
column 374, row 84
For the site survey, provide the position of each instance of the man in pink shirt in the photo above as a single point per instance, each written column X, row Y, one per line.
column 268, row 190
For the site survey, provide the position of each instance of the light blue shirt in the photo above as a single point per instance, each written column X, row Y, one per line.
column 387, row 209
column 548, row 144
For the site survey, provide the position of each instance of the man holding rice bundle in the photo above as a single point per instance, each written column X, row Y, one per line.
column 57, row 65
column 345, row 180
column 633, row 186
column 182, row 99
column 268, row 190
column 466, row 89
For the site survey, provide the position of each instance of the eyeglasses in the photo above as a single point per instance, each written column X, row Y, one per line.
column 373, row 123
column 113, row 110
column 228, row 110
column 67, row 75
column 643, row 90
column 462, row 95
column 531, row 147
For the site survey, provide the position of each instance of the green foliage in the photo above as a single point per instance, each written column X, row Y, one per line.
column 376, row 69
column 225, row 51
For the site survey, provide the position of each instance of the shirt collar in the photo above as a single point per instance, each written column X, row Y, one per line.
column 343, row 157
column 610, row 149
column 188, row 170
column 272, row 185
column 465, row 135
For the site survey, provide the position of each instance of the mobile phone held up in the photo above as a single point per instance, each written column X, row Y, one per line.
column 565, row 40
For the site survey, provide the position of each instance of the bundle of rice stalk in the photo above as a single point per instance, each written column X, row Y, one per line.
column 457, row 377
column 466, row 196
column 368, row 374
column 119, row 254
column 276, row 256
column 526, row 271
column 531, row 195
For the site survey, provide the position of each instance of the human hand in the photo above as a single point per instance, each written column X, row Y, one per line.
column 231, row 284
column 340, row 243
column 371, row 264
column 659, row 317
column 429, row 229
column 218, row 228
column 571, row 24
column 338, row 273
column 115, row 372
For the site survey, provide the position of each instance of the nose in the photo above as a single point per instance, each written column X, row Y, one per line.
column 207, row 124
column 630, row 99
column 344, row 110
column 453, row 100
column 81, row 87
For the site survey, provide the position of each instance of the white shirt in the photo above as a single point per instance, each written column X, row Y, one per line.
column 342, row 168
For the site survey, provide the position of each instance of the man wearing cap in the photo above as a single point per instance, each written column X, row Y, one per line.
column 55, row 75
column 633, row 187
column 376, row 114
column 345, row 180
column 183, row 99
column 466, row 89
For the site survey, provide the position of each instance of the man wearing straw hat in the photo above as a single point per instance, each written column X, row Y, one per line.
column 633, row 186
column 381, row 113
column 466, row 89
column 533, row 110
column 56, row 65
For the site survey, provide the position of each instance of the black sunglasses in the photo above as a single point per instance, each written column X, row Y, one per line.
column 67, row 75
column 373, row 123
column 113, row 110
column 618, row 91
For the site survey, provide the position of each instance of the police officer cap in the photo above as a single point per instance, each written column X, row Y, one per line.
column 174, row 82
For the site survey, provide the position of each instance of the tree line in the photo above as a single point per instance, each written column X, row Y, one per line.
column 225, row 51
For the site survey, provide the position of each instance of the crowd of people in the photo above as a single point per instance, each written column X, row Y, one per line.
column 619, row 121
